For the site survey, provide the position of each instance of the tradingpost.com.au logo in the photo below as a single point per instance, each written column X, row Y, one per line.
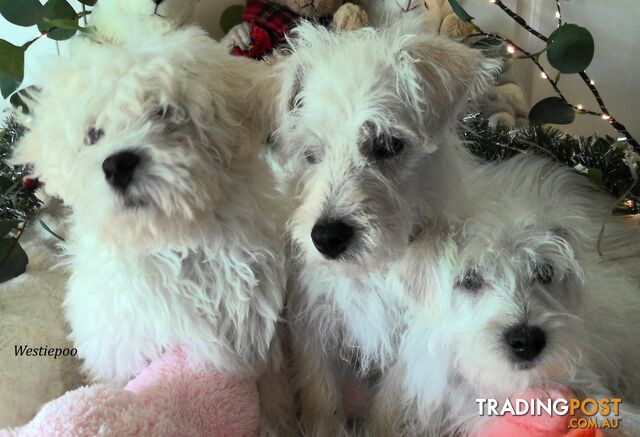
column 583, row 414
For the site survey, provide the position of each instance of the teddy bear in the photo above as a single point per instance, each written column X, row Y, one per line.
column 265, row 23
column 503, row 104
column 120, row 21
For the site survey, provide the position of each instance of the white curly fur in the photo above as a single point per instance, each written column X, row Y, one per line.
column 340, row 91
column 518, row 215
column 190, row 254
column 129, row 20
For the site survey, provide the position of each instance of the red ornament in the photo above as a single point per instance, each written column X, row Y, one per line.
column 30, row 183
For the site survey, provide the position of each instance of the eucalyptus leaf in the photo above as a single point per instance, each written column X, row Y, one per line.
column 570, row 49
column 552, row 110
column 22, row 12
column 460, row 12
column 13, row 259
column 7, row 226
column 58, row 10
column 231, row 17
column 11, row 67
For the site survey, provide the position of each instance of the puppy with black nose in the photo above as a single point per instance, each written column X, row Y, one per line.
column 365, row 120
column 513, row 295
column 173, row 240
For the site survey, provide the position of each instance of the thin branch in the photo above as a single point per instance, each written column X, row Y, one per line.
column 559, row 14
column 518, row 19
column 616, row 124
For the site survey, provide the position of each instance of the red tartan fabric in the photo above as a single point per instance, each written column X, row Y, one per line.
column 269, row 25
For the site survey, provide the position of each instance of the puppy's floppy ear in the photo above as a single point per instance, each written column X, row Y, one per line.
column 440, row 75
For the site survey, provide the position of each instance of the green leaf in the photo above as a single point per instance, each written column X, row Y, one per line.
column 49, row 230
column 88, row 2
column 570, row 49
column 231, row 17
column 595, row 176
column 22, row 12
column 460, row 12
column 13, row 259
column 552, row 110
column 58, row 10
column 11, row 67
column 7, row 226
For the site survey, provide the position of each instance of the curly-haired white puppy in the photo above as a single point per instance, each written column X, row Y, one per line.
column 516, row 296
column 364, row 122
column 173, row 241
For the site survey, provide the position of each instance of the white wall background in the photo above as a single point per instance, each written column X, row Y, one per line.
column 616, row 66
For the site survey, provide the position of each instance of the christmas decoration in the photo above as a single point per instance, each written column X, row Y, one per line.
column 17, row 206
column 605, row 160
column 570, row 50
column 18, row 190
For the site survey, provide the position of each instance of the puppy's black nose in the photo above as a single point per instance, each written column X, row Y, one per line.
column 331, row 238
column 526, row 342
column 118, row 169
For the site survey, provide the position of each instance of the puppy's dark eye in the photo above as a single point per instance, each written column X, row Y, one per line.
column 385, row 147
column 472, row 281
column 543, row 273
column 164, row 112
column 93, row 136
column 310, row 157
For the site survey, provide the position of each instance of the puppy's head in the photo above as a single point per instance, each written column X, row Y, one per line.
column 510, row 307
column 361, row 113
column 514, row 306
column 139, row 141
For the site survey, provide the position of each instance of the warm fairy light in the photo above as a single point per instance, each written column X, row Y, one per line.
column 511, row 49
column 622, row 138
column 579, row 107
column 606, row 116
column 628, row 203
column 492, row 1
column 543, row 75
column 593, row 82
column 557, row 14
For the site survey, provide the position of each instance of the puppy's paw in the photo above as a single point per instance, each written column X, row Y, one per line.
column 350, row 17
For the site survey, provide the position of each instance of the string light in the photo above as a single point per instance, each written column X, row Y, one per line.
column 593, row 82
column 543, row 75
column 622, row 139
column 558, row 14
column 580, row 107
column 606, row 116
column 511, row 49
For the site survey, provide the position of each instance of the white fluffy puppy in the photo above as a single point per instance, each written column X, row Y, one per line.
column 364, row 120
column 518, row 297
column 172, row 241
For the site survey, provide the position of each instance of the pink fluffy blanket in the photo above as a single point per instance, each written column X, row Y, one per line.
column 171, row 397
column 176, row 397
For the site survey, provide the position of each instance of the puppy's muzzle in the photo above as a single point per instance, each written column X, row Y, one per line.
column 526, row 342
column 332, row 237
column 119, row 169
